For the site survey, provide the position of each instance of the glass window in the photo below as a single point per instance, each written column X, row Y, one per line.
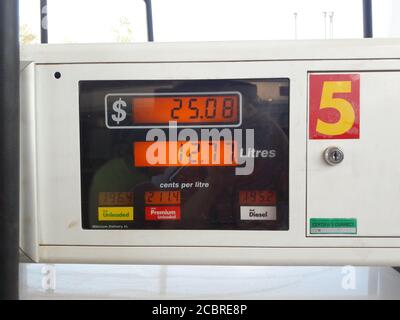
column 29, row 17
column 386, row 23
column 79, row 21
column 186, row 20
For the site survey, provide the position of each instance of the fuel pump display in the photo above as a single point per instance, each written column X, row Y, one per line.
column 193, row 154
column 152, row 109
column 227, row 153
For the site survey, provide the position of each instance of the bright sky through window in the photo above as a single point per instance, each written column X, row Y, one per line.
column 196, row 20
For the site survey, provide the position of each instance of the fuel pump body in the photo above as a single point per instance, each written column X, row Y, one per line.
column 88, row 187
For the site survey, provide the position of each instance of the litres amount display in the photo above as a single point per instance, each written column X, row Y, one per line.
column 221, row 109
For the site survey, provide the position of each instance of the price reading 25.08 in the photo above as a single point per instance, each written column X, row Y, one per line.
column 156, row 110
column 203, row 108
column 186, row 109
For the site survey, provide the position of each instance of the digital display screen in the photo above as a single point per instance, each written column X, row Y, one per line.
column 185, row 109
column 115, row 198
column 193, row 109
column 185, row 154
column 162, row 197
column 257, row 197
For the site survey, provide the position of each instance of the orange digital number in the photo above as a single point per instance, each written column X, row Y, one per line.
column 162, row 197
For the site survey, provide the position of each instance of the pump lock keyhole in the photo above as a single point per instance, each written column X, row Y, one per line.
column 333, row 156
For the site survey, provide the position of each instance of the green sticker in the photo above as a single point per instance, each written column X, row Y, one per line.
column 333, row 226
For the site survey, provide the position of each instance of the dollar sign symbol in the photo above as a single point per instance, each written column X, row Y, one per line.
column 121, row 113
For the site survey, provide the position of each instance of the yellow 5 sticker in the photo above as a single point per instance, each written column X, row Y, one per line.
column 115, row 213
column 345, row 109
column 334, row 106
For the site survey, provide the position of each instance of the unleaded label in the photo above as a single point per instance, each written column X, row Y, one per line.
column 115, row 213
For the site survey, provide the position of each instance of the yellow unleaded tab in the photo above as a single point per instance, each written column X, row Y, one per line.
column 115, row 213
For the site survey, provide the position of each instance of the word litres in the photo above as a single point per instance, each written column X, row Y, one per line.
column 253, row 153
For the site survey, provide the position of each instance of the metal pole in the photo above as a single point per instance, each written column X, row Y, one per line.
column 9, row 149
column 367, row 15
column 331, row 15
column 44, row 35
column 149, row 15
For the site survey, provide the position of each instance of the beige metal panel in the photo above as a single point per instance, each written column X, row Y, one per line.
column 366, row 185
column 222, row 256
column 213, row 51
column 28, row 195
column 59, row 154
column 56, row 232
